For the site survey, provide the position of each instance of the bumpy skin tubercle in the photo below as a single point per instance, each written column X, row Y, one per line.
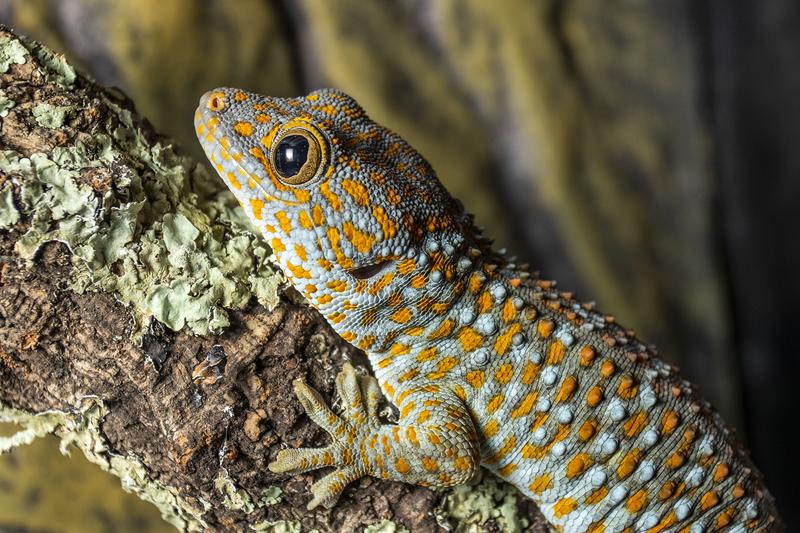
column 487, row 365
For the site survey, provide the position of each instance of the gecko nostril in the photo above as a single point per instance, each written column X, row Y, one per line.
column 216, row 101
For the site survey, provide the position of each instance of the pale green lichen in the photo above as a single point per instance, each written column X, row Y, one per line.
column 281, row 526
column 467, row 507
column 80, row 428
column 385, row 526
column 233, row 497
column 167, row 238
column 8, row 212
column 52, row 116
column 6, row 103
column 270, row 496
column 11, row 52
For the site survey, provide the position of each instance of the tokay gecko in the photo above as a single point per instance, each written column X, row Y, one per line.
column 488, row 364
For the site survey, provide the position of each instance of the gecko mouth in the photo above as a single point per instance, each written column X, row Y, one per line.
column 368, row 271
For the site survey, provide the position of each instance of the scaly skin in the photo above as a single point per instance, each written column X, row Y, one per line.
column 487, row 365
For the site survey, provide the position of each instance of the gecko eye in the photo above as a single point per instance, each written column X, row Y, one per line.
column 299, row 153
column 290, row 155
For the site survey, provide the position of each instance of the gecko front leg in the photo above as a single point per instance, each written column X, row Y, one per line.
column 433, row 443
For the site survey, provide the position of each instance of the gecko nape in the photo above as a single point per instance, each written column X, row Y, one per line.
column 487, row 364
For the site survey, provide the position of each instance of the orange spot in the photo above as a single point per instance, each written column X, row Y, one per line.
column 634, row 425
column 627, row 387
column 503, row 342
column 401, row 316
column 556, row 352
column 564, row 506
column 567, row 389
column 427, row 354
column 494, row 403
column 470, row 339
column 530, row 373
column 709, row 500
column 669, row 422
column 608, row 368
column 545, row 328
column 490, row 429
column 402, row 465
column 525, row 405
column 629, row 463
column 596, row 497
column 509, row 311
column 484, row 302
column 504, row 374
column 444, row 329
column 476, row 378
column 243, row 128
column 594, row 396
column 578, row 465
column 721, row 472
column 257, row 206
column 587, row 355
column 588, row 430
column 541, row 484
column 637, row 502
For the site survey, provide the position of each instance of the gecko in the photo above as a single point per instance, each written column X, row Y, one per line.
column 487, row 363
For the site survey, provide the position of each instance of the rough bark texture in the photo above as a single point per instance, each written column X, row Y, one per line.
column 82, row 355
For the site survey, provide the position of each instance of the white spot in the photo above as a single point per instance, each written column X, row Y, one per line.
column 499, row 292
column 422, row 260
column 559, row 449
column 609, row 446
column 616, row 411
column 464, row 264
column 697, row 527
column 646, row 471
column 565, row 415
column 649, row 438
column 467, row 315
column 649, row 520
column 436, row 276
column 432, row 246
column 518, row 303
column 682, row 510
column 517, row 339
column 481, row 357
column 567, row 338
column 549, row 376
column 618, row 493
column 486, row 324
column 543, row 405
column 694, row 477
column 598, row 478
column 539, row 435
column 536, row 358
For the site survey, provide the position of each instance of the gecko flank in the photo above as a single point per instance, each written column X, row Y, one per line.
column 487, row 364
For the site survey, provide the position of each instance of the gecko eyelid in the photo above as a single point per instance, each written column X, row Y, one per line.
column 368, row 271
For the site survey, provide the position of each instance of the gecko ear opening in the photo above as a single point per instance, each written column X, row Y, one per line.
column 368, row 271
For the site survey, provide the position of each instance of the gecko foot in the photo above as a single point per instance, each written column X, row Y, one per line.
column 360, row 396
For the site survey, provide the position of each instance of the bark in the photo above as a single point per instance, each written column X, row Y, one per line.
column 142, row 323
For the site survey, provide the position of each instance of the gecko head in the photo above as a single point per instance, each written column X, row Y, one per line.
column 352, row 212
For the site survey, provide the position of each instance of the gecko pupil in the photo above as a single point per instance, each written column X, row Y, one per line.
column 291, row 155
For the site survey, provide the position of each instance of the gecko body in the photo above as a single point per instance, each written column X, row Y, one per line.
column 487, row 364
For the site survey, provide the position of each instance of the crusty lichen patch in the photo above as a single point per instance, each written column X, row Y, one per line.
column 80, row 428
column 130, row 211
column 466, row 508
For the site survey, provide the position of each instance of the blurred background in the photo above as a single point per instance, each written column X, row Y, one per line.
column 644, row 153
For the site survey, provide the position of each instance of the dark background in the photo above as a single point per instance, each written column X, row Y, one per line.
column 642, row 152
